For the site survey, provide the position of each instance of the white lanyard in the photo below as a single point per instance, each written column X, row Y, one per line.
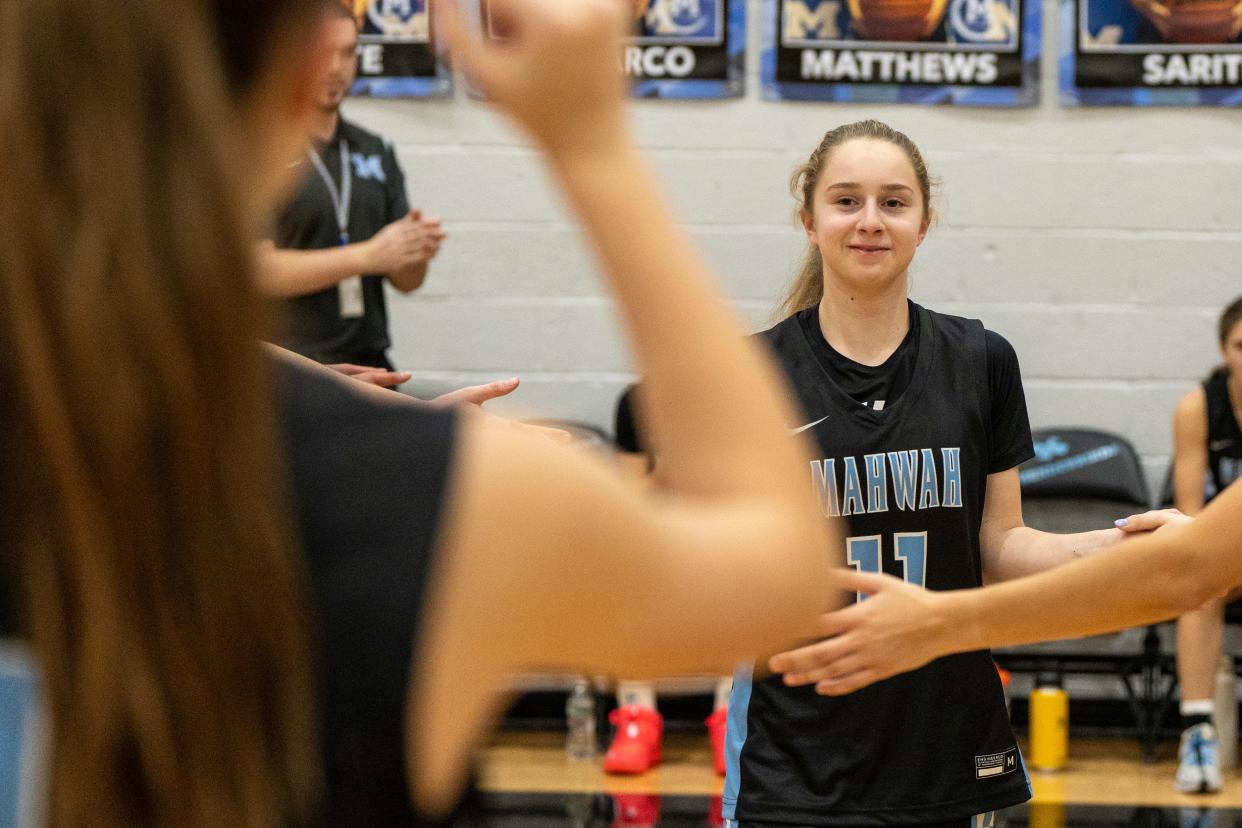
column 340, row 198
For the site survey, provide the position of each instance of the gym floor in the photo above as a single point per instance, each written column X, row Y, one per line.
column 528, row 782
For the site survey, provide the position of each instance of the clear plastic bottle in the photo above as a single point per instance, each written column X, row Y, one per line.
column 1226, row 718
column 580, row 718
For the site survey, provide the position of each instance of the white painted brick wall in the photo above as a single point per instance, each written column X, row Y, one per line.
column 1101, row 242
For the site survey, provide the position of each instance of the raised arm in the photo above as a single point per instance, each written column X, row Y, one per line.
column 549, row 557
column 674, row 315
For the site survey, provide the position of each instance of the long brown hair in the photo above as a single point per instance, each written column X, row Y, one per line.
column 1229, row 317
column 807, row 287
column 160, row 585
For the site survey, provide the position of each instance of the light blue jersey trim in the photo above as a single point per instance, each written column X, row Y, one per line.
column 735, row 737
column 22, row 740
column 1030, row 792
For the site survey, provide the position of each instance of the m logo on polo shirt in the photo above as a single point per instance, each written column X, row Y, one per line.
column 369, row 167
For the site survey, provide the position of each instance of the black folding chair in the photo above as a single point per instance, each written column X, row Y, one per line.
column 1082, row 479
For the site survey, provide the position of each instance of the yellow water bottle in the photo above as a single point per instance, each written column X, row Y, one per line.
column 1046, row 815
column 1049, row 723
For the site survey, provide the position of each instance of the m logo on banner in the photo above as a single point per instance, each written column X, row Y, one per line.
column 804, row 23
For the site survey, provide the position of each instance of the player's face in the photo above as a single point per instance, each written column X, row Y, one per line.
column 339, row 75
column 1231, row 350
column 869, row 215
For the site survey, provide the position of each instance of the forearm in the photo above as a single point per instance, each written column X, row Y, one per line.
column 689, row 346
column 286, row 273
column 372, row 392
column 1025, row 551
column 1143, row 580
column 1148, row 578
column 410, row 277
column 1188, row 495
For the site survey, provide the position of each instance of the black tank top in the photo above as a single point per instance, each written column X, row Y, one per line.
column 933, row 745
column 368, row 485
column 1224, row 435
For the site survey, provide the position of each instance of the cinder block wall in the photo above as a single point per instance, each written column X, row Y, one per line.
column 1101, row 242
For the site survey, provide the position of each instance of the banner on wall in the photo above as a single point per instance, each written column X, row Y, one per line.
column 687, row 49
column 395, row 57
column 970, row 52
column 1151, row 52
column 683, row 48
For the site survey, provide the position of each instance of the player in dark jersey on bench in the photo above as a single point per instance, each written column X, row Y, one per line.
column 1207, row 458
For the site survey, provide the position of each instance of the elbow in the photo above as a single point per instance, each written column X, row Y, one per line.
column 408, row 279
column 405, row 286
column 1199, row 590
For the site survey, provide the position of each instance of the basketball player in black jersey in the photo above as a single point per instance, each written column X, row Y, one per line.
column 920, row 421
column 1207, row 449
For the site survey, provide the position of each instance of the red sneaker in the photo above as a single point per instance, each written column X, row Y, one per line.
column 636, row 747
column 716, row 725
column 635, row 810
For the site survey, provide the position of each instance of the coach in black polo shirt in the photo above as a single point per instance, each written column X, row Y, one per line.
column 348, row 229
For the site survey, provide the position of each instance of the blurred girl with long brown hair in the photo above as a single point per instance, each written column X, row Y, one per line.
column 255, row 598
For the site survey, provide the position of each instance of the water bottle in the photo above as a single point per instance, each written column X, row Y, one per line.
column 1046, row 815
column 1226, row 718
column 580, row 717
column 1049, row 724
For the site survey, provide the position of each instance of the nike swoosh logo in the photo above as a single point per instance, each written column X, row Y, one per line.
column 809, row 425
column 1220, row 444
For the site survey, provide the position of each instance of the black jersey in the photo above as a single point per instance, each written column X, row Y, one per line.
column 353, row 465
column 933, row 745
column 1224, row 435
column 870, row 385
column 314, row 325
column 368, row 483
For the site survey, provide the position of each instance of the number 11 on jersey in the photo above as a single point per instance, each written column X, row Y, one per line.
column 865, row 552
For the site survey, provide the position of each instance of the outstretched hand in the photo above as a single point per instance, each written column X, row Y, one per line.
column 478, row 394
column 1153, row 520
column 475, row 395
column 381, row 377
column 893, row 630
